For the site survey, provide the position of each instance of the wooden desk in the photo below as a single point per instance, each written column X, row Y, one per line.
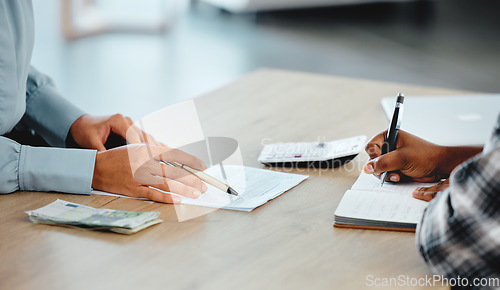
column 288, row 243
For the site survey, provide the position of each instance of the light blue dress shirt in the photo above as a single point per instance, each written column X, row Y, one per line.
column 28, row 99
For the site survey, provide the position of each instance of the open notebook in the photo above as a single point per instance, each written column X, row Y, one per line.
column 367, row 205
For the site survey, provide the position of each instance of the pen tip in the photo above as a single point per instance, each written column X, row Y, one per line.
column 232, row 191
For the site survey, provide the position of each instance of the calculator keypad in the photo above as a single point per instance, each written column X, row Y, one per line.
column 311, row 151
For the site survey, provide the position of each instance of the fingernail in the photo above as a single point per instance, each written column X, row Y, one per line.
column 393, row 178
column 369, row 168
column 203, row 166
column 176, row 199
column 204, row 187
column 196, row 194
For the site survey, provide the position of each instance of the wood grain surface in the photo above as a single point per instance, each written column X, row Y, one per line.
column 288, row 243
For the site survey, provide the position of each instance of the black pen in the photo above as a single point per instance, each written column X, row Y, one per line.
column 392, row 132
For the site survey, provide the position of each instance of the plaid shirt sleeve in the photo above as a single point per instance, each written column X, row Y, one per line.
column 459, row 234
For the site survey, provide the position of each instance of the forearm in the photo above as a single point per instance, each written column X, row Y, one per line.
column 47, row 112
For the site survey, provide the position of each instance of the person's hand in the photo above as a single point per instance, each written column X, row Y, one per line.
column 427, row 193
column 92, row 132
column 132, row 169
column 415, row 158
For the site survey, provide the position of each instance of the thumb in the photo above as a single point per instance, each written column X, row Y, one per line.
column 391, row 161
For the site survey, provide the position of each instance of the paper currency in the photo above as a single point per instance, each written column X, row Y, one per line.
column 62, row 212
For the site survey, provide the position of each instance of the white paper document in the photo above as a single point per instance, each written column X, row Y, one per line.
column 369, row 204
column 255, row 187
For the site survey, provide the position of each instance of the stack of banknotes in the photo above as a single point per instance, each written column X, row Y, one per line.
column 66, row 213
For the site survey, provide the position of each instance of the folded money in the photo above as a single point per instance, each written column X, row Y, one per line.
column 66, row 213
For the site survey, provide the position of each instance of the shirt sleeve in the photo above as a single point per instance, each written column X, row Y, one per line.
column 47, row 112
column 29, row 168
column 459, row 234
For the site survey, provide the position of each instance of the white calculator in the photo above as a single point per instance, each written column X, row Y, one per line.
column 312, row 154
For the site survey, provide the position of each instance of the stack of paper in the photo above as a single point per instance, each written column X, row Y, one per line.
column 65, row 213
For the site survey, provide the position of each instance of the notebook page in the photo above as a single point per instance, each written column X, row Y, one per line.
column 388, row 206
column 371, row 183
column 392, row 202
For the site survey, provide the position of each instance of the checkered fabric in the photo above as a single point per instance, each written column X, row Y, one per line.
column 459, row 235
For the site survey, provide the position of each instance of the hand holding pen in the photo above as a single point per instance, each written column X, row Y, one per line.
column 412, row 158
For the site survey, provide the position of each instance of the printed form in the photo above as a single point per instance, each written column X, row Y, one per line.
column 255, row 187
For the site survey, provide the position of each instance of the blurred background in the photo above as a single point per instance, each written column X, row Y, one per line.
column 134, row 57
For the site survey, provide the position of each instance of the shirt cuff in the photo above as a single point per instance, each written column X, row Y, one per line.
column 56, row 169
column 9, row 165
